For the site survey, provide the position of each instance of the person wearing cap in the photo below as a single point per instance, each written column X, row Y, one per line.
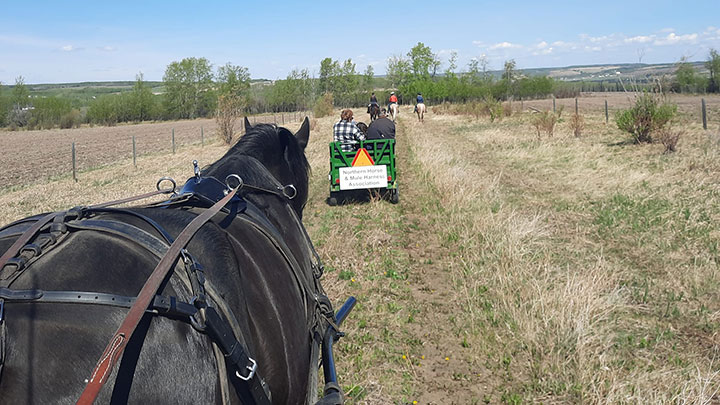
column 346, row 132
column 393, row 99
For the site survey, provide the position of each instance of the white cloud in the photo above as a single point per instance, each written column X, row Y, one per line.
column 479, row 43
column 504, row 45
column 641, row 39
column 667, row 30
column 541, row 45
column 67, row 48
column 673, row 38
column 108, row 48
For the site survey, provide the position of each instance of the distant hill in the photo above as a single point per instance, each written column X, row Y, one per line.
column 611, row 72
column 82, row 93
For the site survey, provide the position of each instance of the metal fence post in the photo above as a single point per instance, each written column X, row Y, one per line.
column 74, row 167
column 606, row 112
column 134, row 153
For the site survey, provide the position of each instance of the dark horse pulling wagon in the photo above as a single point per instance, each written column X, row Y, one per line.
column 233, row 311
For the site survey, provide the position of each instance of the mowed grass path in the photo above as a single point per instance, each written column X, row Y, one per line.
column 518, row 269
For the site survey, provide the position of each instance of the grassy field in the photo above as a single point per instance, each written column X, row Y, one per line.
column 515, row 269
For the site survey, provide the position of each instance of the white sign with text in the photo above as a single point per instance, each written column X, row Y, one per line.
column 353, row 178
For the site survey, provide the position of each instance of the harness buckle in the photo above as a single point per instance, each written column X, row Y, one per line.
column 252, row 369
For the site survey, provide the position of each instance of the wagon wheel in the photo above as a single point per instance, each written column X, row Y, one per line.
column 394, row 196
column 333, row 199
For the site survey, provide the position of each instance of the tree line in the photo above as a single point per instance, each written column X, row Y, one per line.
column 194, row 88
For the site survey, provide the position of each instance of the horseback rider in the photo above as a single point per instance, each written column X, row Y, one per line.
column 419, row 100
column 393, row 99
column 373, row 101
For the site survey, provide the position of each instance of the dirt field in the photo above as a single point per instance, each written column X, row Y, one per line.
column 31, row 157
column 514, row 269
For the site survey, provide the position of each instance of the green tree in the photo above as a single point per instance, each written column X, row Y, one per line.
column 142, row 103
column 188, row 86
column 368, row 76
column 713, row 65
column 398, row 71
column 423, row 63
column 20, row 93
column 329, row 73
column 233, row 80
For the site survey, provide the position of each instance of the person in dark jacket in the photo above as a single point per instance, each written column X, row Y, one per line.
column 381, row 128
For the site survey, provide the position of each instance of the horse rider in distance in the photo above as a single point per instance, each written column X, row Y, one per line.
column 418, row 100
column 393, row 100
column 373, row 101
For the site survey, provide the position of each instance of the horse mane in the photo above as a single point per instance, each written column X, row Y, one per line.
column 266, row 143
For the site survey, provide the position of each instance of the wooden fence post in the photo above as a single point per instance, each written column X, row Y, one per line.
column 576, row 106
column 173, row 139
column 74, row 167
column 553, row 104
column 134, row 153
column 704, row 115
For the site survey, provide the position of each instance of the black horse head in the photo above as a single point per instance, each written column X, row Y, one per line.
column 281, row 152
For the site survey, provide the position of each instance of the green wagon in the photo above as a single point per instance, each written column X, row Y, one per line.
column 371, row 166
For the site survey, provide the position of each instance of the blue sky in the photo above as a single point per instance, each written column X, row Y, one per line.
column 73, row 41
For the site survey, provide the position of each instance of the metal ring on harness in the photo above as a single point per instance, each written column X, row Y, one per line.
column 233, row 176
column 166, row 190
column 291, row 195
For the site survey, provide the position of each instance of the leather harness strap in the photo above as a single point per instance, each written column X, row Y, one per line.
column 24, row 238
column 119, row 340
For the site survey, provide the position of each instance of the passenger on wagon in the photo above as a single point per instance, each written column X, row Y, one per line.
column 381, row 128
column 346, row 132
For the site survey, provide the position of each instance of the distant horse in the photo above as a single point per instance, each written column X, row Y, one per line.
column 393, row 111
column 68, row 289
column 374, row 111
column 420, row 110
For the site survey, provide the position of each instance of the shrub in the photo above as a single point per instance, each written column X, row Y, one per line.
column 669, row 137
column 494, row 108
column 577, row 124
column 545, row 121
column 323, row 106
column 72, row 119
column 228, row 110
column 648, row 115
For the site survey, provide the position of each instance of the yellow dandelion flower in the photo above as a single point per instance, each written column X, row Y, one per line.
column 422, row 357
column 414, row 402
column 404, row 357
column 447, row 358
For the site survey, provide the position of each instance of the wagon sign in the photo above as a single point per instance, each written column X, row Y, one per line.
column 357, row 177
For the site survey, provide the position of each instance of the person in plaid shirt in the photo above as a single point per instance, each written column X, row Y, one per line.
column 346, row 132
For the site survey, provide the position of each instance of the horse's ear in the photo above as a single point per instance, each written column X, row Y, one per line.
column 303, row 134
column 247, row 125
